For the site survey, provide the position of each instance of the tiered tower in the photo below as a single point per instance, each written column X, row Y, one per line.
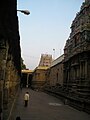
column 77, row 58
column 45, row 60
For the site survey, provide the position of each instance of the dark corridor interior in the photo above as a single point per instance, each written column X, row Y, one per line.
column 26, row 79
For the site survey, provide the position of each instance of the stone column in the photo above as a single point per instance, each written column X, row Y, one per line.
column 3, row 60
column 86, row 69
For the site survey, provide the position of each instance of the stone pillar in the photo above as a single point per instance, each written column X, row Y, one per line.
column 3, row 60
column 80, row 71
column 86, row 69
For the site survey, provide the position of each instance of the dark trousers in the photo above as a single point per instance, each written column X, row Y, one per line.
column 26, row 103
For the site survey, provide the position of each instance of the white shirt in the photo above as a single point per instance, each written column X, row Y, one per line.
column 26, row 96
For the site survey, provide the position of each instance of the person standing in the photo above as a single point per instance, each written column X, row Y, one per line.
column 26, row 98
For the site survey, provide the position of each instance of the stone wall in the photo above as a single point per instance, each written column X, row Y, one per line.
column 39, row 77
column 10, row 55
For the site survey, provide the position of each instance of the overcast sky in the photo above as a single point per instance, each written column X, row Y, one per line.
column 46, row 28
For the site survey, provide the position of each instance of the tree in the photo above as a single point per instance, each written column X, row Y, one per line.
column 23, row 66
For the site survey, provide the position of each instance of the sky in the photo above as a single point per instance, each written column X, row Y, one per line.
column 46, row 29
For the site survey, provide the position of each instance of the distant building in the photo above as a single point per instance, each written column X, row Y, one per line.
column 39, row 74
column 45, row 60
column 55, row 72
column 39, row 77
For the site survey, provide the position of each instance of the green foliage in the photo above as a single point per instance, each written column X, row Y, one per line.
column 23, row 66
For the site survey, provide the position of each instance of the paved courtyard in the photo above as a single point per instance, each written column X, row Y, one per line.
column 44, row 107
